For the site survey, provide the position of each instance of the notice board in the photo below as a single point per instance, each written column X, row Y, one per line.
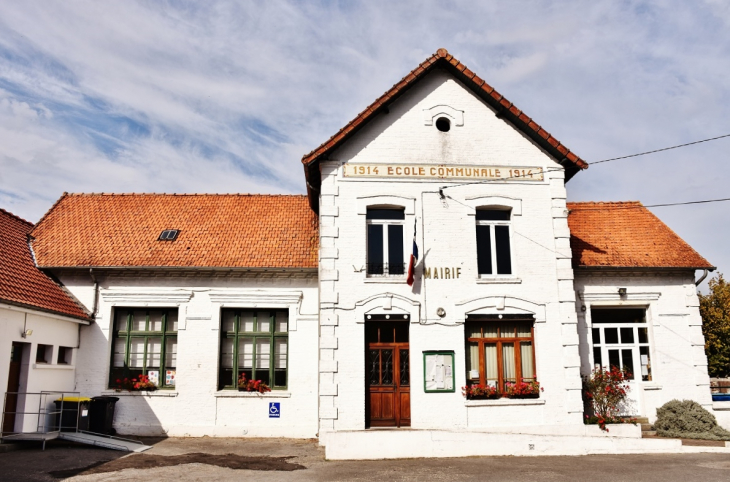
column 438, row 371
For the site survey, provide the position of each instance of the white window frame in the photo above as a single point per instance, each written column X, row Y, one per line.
column 493, row 242
column 386, row 265
column 634, row 347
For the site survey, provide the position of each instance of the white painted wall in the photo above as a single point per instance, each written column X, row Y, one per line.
column 542, row 282
column 679, row 364
column 195, row 407
column 35, row 377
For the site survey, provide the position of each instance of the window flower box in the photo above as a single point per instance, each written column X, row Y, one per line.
column 246, row 385
column 480, row 392
column 523, row 389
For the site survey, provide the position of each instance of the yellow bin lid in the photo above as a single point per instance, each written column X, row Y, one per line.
column 74, row 399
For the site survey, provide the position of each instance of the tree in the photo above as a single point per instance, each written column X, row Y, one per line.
column 715, row 312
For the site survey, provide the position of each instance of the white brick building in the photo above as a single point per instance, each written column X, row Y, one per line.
column 512, row 283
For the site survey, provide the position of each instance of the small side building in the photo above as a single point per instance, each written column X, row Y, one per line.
column 193, row 291
column 39, row 329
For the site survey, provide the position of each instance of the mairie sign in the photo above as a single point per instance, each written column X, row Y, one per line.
column 433, row 171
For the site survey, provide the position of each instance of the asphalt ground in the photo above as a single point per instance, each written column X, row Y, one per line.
column 197, row 459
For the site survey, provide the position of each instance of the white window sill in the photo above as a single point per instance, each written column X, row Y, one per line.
column 721, row 405
column 651, row 386
column 385, row 279
column 237, row 394
column 53, row 367
column 504, row 402
column 499, row 280
column 142, row 393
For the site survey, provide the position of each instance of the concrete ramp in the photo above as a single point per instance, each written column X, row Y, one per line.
column 106, row 441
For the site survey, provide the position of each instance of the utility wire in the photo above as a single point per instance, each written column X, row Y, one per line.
column 595, row 162
column 591, row 208
column 660, row 150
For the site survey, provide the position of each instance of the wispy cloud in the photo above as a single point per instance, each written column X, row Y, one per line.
column 227, row 96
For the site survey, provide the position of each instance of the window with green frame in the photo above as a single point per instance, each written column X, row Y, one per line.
column 254, row 343
column 144, row 343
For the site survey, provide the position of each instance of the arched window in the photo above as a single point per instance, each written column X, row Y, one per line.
column 494, row 255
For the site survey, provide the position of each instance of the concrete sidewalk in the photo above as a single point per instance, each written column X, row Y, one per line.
column 194, row 459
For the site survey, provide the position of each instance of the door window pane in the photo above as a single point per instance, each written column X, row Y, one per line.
column 597, row 363
column 386, row 363
column 643, row 335
column 645, row 363
column 614, row 359
column 405, row 370
column 628, row 363
column 627, row 335
column 596, row 332
column 611, row 335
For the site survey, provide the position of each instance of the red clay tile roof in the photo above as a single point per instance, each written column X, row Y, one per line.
column 216, row 231
column 442, row 59
column 626, row 235
column 21, row 283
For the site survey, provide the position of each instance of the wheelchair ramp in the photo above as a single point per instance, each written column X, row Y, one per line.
column 106, row 441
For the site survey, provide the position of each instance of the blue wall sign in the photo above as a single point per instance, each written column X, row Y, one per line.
column 274, row 409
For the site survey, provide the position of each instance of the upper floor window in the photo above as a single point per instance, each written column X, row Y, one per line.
column 493, row 244
column 385, row 241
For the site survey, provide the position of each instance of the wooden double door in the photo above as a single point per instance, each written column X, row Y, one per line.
column 11, row 398
column 387, row 377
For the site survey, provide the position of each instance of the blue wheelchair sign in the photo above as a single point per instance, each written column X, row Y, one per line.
column 274, row 409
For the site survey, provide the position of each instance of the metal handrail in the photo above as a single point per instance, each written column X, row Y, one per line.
column 43, row 414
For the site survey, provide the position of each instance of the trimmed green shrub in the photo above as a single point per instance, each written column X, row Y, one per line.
column 687, row 419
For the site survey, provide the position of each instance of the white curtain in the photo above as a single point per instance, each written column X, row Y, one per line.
column 264, row 321
column 490, row 360
column 280, row 347
column 120, row 348
column 155, row 320
column 136, row 352
column 245, row 353
column 263, row 354
column 154, row 351
column 508, row 359
column 138, row 320
column 227, row 353
column 526, row 358
column 228, row 323
column 282, row 322
column 246, row 322
column 171, row 353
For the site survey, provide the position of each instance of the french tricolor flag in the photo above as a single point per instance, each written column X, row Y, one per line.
column 414, row 258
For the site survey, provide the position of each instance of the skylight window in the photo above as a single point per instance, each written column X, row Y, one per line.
column 169, row 235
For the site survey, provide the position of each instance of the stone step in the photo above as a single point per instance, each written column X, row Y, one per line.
column 648, row 434
column 642, row 420
column 646, row 427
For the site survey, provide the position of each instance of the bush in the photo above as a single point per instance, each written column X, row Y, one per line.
column 687, row 419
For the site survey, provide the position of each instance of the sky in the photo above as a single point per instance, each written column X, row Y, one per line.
column 226, row 97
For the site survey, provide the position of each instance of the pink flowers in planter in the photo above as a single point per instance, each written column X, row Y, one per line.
column 519, row 389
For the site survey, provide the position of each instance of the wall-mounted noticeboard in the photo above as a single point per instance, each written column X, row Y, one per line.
column 438, row 371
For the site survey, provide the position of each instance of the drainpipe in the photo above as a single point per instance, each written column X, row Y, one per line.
column 702, row 278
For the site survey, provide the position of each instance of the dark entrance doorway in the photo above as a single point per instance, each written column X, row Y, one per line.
column 11, row 400
column 388, row 374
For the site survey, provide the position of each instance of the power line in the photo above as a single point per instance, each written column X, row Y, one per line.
column 659, row 150
column 641, row 206
column 594, row 162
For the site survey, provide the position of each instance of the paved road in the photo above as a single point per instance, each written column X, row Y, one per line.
column 304, row 461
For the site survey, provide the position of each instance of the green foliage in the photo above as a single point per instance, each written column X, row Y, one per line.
column 687, row 419
column 606, row 390
column 715, row 312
